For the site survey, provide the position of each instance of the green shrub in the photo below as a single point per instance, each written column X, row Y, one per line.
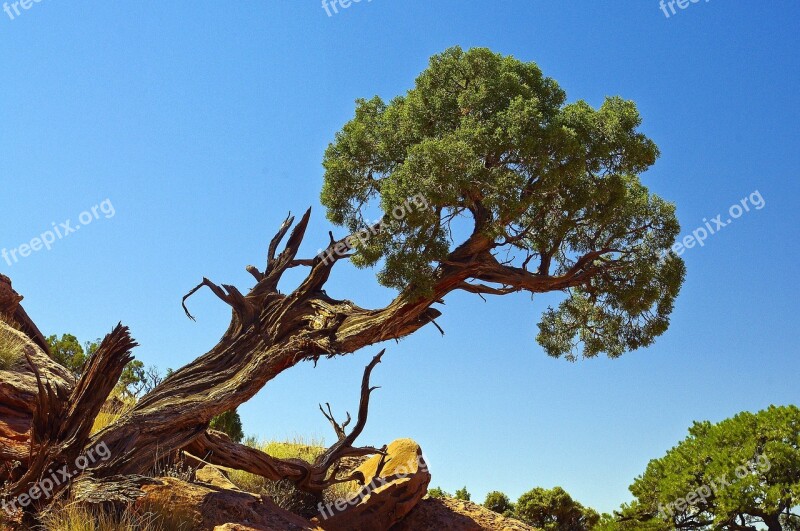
column 67, row 352
column 438, row 493
column 554, row 510
column 463, row 494
column 229, row 423
column 498, row 502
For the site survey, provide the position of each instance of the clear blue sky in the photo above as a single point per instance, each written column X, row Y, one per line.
column 205, row 122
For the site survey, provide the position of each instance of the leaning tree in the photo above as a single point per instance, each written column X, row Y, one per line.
column 514, row 191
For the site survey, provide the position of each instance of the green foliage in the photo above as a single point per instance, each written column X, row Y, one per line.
column 135, row 379
column 743, row 470
column 554, row 510
column 463, row 494
column 438, row 493
column 498, row 502
column 488, row 138
column 229, row 423
column 131, row 378
column 627, row 521
column 67, row 351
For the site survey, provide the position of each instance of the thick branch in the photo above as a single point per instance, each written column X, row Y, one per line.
column 217, row 448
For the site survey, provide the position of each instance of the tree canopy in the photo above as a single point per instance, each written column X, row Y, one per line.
column 549, row 190
column 737, row 474
column 68, row 352
column 554, row 510
column 229, row 423
column 463, row 494
column 499, row 502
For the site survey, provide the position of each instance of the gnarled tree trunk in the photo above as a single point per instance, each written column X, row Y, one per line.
column 269, row 332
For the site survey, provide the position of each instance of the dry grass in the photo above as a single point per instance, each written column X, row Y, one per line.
column 76, row 518
column 73, row 517
column 109, row 415
column 283, row 493
column 298, row 448
column 11, row 347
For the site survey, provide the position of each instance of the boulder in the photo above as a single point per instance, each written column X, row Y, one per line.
column 394, row 485
column 448, row 514
column 193, row 507
column 214, row 477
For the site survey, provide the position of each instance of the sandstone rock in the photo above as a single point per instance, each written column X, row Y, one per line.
column 243, row 527
column 448, row 514
column 394, row 485
column 201, row 507
column 215, row 477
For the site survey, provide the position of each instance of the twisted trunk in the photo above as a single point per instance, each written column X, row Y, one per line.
column 269, row 332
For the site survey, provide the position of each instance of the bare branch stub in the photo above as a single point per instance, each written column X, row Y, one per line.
column 276, row 240
column 230, row 295
column 344, row 446
column 62, row 422
column 338, row 428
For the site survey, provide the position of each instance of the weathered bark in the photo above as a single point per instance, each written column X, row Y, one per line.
column 18, row 397
column 12, row 311
column 271, row 332
column 62, row 422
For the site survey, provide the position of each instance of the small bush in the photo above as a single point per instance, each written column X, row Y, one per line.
column 438, row 493
column 498, row 502
column 229, row 423
column 179, row 471
column 463, row 494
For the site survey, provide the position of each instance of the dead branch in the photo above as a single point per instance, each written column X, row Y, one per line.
column 62, row 422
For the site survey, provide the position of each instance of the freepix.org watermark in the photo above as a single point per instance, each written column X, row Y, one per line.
column 401, row 472
column 717, row 223
column 668, row 6
column 759, row 465
column 341, row 248
column 331, row 7
column 58, row 232
column 12, row 9
column 44, row 489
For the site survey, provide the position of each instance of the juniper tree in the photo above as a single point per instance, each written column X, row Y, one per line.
column 523, row 192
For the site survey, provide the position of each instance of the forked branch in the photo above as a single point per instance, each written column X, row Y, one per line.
column 230, row 296
column 218, row 449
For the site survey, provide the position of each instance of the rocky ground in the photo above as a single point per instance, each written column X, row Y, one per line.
column 393, row 499
column 448, row 514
